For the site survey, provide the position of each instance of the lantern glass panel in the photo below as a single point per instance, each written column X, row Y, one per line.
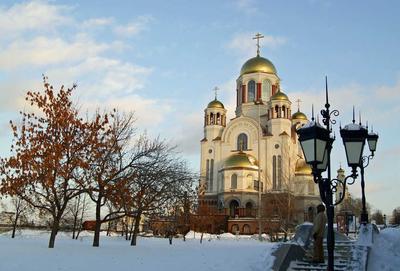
column 372, row 143
column 308, row 149
column 320, row 152
column 322, row 167
column 354, row 152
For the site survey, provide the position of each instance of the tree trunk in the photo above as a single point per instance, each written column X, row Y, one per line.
column 74, row 227
column 79, row 231
column 14, row 226
column 96, row 238
column 54, row 231
column 131, row 230
column 136, row 229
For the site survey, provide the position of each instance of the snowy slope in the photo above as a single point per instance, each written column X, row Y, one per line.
column 29, row 252
column 385, row 252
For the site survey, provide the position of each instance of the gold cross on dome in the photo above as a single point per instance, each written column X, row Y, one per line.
column 257, row 37
column 216, row 92
column 298, row 104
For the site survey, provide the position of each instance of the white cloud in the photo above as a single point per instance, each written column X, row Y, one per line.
column 42, row 51
column 33, row 15
column 247, row 6
column 97, row 22
column 70, row 53
column 133, row 28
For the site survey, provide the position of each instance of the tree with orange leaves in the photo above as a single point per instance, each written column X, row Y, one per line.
column 48, row 154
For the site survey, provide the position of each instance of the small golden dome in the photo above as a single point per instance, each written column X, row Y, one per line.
column 279, row 96
column 215, row 104
column 258, row 64
column 241, row 160
column 299, row 116
column 302, row 168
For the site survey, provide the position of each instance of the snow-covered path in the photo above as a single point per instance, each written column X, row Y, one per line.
column 385, row 252
column 30, row 252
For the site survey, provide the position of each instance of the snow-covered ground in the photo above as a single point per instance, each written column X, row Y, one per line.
column 385, row 252
column 29, row 251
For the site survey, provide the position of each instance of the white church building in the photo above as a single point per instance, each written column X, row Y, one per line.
column 259, row 145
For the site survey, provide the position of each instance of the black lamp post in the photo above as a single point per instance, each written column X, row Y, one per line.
column 354, row 137
column 316, row 142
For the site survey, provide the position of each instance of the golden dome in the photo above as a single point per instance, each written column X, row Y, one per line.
column 302, row 168
column 258, row 64
column 299, row 116
column 215, row 104
column 279, row 96
column 241, row 160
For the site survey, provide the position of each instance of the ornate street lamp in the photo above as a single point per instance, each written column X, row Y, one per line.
column 354, row 137
column 372, row 140
column 316, row 142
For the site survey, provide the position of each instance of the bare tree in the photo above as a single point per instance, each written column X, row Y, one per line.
column 111, row 157
column 395, row 216
column 20, row 209
column 378, row 217
column 75, row 214
column 158, row 179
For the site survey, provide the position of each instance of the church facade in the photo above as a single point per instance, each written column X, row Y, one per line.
column 252, row 169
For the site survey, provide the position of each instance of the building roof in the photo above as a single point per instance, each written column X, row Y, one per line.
column 242, row 160
column 302, row 168
column 299, row 116
column 258, row 64
column 215, row 104
column 279, row 96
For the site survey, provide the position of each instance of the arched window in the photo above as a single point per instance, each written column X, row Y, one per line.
column 239, row 95
column 242, row 142
column 249, row 208
column 274, row 172
column 251, row 91
column 235, row 228
column 266, row 89
column 283, row 112
column 276, row 111
column 279, row 172
column 246, row 229
column 249, row 181
column 234, row 208
column 233, row 181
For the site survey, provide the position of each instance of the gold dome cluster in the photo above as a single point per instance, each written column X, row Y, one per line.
column 241, row 160
column 258, row 64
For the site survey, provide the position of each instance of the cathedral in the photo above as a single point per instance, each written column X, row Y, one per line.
column 253, row 173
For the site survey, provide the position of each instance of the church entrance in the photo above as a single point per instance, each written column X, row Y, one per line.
column 234, row 208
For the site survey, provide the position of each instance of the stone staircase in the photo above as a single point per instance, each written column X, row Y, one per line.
column 348, row 256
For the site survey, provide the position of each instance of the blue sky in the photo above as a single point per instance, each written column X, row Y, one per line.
column 163, row 58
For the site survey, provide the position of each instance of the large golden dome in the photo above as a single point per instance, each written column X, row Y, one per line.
column 241, row 160
column 215, row 104
column 302, row 168
column 258, row 64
